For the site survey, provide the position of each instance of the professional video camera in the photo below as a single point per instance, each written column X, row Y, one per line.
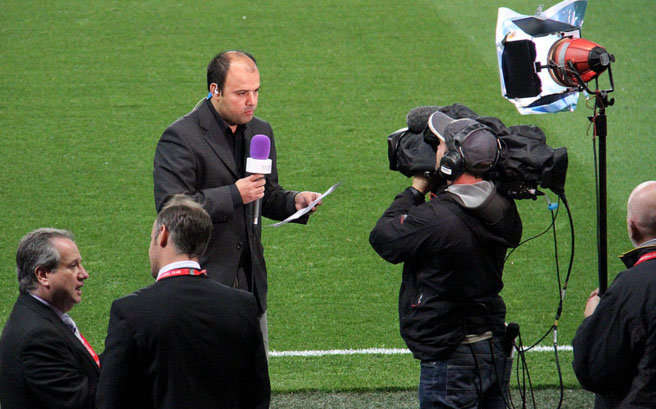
column 525, row 162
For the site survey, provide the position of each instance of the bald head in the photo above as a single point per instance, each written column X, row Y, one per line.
column 641, row 213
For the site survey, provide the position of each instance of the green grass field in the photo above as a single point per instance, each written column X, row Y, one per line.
column 86, row 89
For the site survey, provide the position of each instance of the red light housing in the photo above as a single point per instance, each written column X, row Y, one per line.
column 575, row 60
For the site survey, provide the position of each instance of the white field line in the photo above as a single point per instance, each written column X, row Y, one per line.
column 385, row 351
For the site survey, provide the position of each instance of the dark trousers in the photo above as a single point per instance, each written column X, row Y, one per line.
column 474, row 376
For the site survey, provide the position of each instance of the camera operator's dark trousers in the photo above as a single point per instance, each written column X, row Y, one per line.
column 474, row 376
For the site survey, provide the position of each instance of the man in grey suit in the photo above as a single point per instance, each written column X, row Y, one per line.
column 203, row 155
column 44, row 360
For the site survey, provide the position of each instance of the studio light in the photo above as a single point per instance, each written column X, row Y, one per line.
column 543, row 62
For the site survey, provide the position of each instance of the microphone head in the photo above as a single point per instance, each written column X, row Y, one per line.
column 260, row 147
column 417, row 118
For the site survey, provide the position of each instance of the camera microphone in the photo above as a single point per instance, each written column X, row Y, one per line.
column 417, row 118
column 259, row 163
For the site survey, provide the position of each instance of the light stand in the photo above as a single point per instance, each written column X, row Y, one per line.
column 600, row 130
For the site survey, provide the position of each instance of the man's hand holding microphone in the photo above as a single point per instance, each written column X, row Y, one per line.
column 251, row 188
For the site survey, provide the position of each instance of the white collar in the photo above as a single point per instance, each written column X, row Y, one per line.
column 178, row 264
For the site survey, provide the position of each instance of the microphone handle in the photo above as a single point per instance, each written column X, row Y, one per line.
column 256, row 211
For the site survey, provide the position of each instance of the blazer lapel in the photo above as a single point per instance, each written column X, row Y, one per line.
column 216, row 138
column 248, row 135
column 50, row 315
column 78, row 343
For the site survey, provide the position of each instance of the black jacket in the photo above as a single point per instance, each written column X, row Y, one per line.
column 615, row 347
column 453, row 256
column 42, row 363
column 182, row 343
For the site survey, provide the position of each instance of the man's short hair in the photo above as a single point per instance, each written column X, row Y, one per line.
column 36, row 249
column 189, row 225
column 217, row 69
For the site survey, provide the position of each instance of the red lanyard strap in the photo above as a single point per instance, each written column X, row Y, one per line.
column 646, row 257
column 182, row 272
column 87, row 345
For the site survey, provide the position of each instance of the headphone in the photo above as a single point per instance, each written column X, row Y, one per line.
column 454, row 162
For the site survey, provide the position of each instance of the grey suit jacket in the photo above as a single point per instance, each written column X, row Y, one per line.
column 42, row 363
column 194, row 157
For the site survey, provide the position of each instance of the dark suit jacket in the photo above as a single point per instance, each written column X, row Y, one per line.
column 193, row 156
column 184, row 342
column 42, row 363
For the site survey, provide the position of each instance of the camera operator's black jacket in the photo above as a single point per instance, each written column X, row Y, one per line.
column 453, row 251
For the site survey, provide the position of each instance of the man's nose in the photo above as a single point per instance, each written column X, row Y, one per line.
column 251, row 98
column 83, row 273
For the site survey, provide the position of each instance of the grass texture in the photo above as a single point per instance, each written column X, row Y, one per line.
column 86, row 89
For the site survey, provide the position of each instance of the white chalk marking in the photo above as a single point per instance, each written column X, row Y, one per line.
column 385, row 351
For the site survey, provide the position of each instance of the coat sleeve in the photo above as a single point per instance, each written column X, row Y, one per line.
column 52, row 373
column 117, row 384
column 176, row 170
column 603, row 356
column 402, row 229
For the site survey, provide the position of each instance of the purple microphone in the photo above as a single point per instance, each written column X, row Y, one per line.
column 259, row 163
column 260, row 146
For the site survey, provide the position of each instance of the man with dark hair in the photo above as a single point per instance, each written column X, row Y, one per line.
column 615, row 345
column 45, row 362
column 453, row 247
column 218, row 67
column 203, row 154
column 184, row 341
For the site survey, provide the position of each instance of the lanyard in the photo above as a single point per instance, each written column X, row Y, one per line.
column 182, row 272
column 646, row 257
column 87, row 345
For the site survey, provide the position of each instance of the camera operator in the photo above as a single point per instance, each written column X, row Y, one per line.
column 453, row 248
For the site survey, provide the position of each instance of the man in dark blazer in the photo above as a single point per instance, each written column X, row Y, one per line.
column 44, row 360
column 185, row 341
column 615, row 345
column 203, row 154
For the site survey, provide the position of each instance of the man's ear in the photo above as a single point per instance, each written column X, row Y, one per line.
column 634, row 233
column 41, row 275
column 163, row 236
